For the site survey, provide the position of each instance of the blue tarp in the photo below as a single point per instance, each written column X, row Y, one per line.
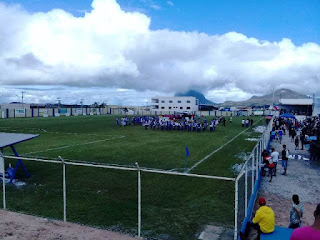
column 287, row 115
column 279, row 233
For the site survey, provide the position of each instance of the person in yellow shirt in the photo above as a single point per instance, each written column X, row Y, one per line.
column 264, row 217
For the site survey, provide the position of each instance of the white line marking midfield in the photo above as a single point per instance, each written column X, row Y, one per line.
column 210, row 154
column 80, row 144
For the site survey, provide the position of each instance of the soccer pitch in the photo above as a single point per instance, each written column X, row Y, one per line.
column 173, row 207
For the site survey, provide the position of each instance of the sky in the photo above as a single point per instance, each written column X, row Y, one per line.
column 125, row 52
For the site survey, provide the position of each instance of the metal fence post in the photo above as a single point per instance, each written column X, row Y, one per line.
column 257, row 160
column 3, row 180
column 260, row 155
column 246, row 190
column 252, row 170
column 139, row 200
column 64, row 190
column 236, row 210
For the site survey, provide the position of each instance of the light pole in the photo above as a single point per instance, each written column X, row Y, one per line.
column 22, row 96
column 59, row 101
column 81, row 102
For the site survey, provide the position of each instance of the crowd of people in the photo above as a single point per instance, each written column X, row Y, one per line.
column 171, row 123
column 302, row 133
column 190, row 123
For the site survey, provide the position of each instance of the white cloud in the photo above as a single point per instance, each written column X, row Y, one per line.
column 155, row 6
column 170, row 3
column 111, row 48
column 73, row 95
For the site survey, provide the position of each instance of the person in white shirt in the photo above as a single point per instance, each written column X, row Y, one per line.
column 275, row 157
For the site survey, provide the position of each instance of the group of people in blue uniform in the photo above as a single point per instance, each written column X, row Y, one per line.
column 193, row 124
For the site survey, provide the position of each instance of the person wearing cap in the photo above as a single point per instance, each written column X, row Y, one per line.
column 264, row 217
column 309, row 232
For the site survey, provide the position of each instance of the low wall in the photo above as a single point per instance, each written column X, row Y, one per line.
column 56, row 112
column 50, row 112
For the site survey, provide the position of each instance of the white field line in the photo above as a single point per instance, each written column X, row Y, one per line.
column 40, row 130
column 76, row 145
column 210, row 154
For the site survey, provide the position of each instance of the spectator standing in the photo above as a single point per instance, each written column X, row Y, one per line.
column 296, row 142
column 313, row 151
column 293, row 134
column 309, row 232
column 270, row 167
column 275, row 159
column 280, row 133
column 284, row 156
column 296, row 212
column 302, row 140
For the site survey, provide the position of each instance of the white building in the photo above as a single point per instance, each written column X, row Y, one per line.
column 297, row 106
column 177, row 104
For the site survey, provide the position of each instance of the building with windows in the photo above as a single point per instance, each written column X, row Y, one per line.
column 176, row 104
column 297, row 106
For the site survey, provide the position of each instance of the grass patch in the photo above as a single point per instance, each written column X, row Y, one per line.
column 172, row 207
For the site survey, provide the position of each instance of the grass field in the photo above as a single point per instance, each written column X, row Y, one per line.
column 173, row 207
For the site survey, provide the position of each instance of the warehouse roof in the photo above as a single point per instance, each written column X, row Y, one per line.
column 307, row 101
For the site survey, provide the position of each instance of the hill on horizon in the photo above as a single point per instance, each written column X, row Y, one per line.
column 197, row 95
column 265, row 99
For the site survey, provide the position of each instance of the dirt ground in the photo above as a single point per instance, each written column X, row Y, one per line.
column 14, row 226
column 281, row 208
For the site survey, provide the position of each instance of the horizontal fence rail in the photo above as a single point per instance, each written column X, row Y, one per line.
column 138, row 169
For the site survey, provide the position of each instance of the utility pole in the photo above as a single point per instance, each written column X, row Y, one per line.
column 22, row 96
column 273, row 99
column 59, row 102
column 81, row 102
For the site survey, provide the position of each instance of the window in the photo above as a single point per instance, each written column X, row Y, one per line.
column 162, row 107
column 170, row 101
column 188, row 107
column 181, row 107
column 188, row 101
column 179, row 101
column 163, row 101
column 169, row 107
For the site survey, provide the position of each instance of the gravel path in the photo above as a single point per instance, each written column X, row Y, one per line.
column 14, row 226
column 303, row 178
